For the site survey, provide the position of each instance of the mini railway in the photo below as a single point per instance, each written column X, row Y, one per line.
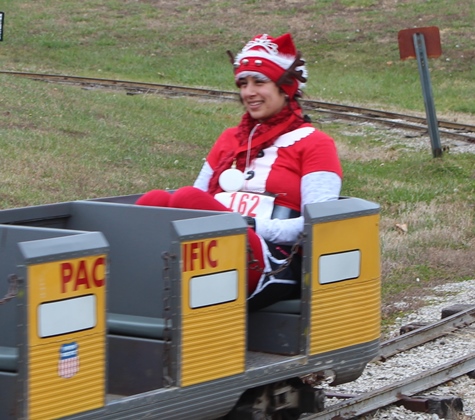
column 352, row 405
column 464, row 132
column 402, row 392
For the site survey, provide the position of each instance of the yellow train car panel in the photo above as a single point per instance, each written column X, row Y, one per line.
column 66, row 318
column 346, row 296
column 214, row 309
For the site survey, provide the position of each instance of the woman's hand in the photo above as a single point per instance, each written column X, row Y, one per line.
column 251, row 222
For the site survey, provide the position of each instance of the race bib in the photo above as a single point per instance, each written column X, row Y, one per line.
column 247, row 203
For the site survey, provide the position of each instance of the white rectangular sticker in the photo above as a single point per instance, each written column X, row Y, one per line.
column 338, row 267
column 247, row 203
column 212, row 289
column 67, row 316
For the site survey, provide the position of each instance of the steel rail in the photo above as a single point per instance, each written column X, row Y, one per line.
column 397, row 124
column 123, row 84
column 373, row 113
column 448, row 128
column 427, row 333
column 382, row 397
column 370, row 401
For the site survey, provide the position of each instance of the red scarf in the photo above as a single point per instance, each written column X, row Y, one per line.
column 289, row 119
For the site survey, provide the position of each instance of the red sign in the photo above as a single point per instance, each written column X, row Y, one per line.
column 431, row 39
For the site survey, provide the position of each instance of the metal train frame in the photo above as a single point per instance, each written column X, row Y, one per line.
column 126, row 311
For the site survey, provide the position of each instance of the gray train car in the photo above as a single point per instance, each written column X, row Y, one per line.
column 118, row 311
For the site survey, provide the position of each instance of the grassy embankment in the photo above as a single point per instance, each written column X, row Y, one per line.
column 60, row 142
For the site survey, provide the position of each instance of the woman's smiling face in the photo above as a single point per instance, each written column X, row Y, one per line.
column 262, row 99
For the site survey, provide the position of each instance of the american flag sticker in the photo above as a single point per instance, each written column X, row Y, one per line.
column 68, row 364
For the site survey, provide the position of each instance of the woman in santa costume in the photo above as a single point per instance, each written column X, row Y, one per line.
column 267, row 168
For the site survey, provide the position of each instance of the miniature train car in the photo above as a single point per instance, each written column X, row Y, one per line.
column 120, row 311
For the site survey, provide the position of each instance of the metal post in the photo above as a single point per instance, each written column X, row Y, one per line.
column 420, row 47
column 2, row 16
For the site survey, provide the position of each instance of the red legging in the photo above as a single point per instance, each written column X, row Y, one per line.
column 196, row 199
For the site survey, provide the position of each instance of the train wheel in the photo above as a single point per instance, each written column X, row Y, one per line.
column 285, row 400
column 247, row 413
column 289, row 414
column 311, row 400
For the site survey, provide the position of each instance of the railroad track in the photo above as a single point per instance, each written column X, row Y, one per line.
column 352, row 406
column 358, row 405
column 448, row 129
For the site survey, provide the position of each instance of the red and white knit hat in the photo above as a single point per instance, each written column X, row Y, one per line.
column 275, row 58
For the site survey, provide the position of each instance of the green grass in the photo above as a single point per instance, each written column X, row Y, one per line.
column 350, row 46
column 110, row 141
column 61, row 142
